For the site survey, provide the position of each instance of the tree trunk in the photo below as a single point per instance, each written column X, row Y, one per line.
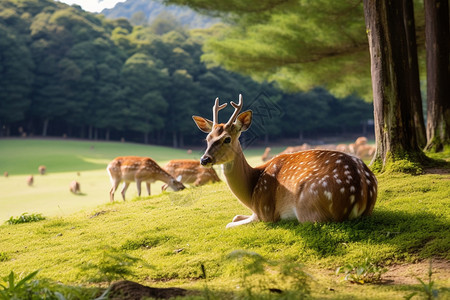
column 394, row 122
column 174, row 139
column 437, row 39
column 415, row 94
column 146, row 138
column 181, row 140
column 45, row 127
column 90, row 132
column 300, row 136
column 107, row 134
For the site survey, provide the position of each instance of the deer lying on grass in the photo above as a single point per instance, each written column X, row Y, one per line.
column 139, row 169
column 310, row 186
column 189, row 171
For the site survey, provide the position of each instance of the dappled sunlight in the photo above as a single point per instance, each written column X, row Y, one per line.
column 97, row 161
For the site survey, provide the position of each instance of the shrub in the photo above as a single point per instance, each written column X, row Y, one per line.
column 3, row 256
column 25, row 218
column 367, row 272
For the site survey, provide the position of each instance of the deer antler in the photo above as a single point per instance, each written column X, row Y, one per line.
column 237, row 109
column 216, row 109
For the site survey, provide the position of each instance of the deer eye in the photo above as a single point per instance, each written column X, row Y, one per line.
column 227, row 140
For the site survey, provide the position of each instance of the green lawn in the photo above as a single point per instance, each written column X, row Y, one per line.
column 66, row 160
column 164, row 240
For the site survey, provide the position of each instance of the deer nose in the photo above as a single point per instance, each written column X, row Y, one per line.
column 205, row 160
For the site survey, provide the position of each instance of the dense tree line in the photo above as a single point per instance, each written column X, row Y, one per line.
column 64, row 71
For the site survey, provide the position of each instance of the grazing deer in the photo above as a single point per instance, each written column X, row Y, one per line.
column 365, row 151
column 139, row 169
column 310, row 186
column 190, row 171
column 42, row 170
column 265, row 157
column 74, row 187
column 6, row 174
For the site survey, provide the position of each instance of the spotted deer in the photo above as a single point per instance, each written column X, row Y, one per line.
column 190, row 171
column 310, row 186
column 139, row 169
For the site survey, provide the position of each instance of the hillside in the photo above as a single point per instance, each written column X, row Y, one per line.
column 152, row 9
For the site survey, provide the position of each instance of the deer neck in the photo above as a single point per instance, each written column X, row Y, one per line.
column 164, row 177
column 241, row 177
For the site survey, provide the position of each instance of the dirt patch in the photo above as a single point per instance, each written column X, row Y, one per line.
column 437, row 171
column 408, row 273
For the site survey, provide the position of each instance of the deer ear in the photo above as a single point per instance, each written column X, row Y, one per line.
column 244, row 120
column 203, row 124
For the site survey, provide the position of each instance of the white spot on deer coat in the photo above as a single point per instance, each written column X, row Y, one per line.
column 328, row 195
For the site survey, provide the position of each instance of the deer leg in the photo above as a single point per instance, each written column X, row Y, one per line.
column 252, row 218
column 238, row 218
column 138, row 185
column 115, row 184
column 148, row 187
column 124, row 190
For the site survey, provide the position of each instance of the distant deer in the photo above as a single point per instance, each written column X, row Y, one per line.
column 293, row 149
column 265, row 157
column 310, row 186
column 139, row 169
column 42, row 170
column 190, row 171
column 30, row 180
column 6, row 174
column 74, row 187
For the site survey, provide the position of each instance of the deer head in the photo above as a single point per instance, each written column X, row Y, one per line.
column 223, row 139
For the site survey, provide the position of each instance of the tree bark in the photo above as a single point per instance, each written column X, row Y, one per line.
column 437, row 40
column 391, row 83
column 45, row 127
column 415, row 94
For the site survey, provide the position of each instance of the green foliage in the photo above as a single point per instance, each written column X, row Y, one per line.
column 4, row 256
column 13, row 288
column 25, row 218
column 32, row 289
column 264, row 279
column 365, row 272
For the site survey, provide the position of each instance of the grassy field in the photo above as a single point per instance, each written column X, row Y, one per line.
column 164, row 240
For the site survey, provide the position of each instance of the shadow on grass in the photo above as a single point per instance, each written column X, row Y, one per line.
column 419, row 233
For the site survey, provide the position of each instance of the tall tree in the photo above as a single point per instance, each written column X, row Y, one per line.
column 394, row 122
column 438, row 73
column 413, row 65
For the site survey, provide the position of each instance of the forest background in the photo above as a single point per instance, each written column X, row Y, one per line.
column 65, row 72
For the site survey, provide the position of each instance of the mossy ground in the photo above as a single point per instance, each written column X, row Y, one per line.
column 164, row 240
